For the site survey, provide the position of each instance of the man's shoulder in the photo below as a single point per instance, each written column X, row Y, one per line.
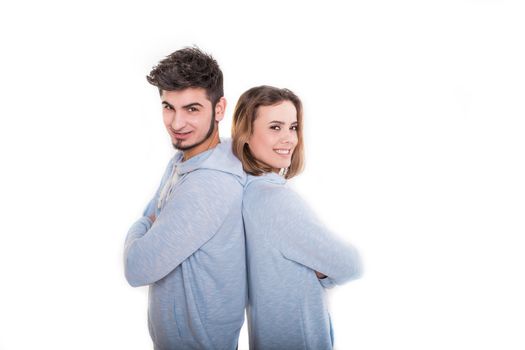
column 214, row 179
column 223, row 161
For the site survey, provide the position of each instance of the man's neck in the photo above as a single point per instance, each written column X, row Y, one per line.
column 210, row 143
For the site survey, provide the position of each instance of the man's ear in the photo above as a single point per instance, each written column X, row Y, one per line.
column 220, row 109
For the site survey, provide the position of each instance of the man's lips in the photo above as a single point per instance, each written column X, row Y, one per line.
column 181, row 135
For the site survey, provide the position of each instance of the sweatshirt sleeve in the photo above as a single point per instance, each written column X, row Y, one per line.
column 295, row 230
column 193, row 214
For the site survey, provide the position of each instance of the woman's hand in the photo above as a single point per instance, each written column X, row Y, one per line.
column 320, row 275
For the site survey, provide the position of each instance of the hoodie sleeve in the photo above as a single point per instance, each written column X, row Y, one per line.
column 295, row 230
column 195, row 211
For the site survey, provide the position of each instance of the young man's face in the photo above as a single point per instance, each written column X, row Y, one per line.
column 190, row 119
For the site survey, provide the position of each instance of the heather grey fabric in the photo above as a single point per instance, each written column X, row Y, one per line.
column 285, row 245
column 193, row 255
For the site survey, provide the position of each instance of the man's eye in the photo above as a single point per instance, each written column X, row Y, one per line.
column 192, row 109
column 167, row 107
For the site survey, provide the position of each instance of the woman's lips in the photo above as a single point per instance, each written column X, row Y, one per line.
column 283, row 151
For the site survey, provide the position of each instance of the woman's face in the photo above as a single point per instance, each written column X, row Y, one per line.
column 274, row 135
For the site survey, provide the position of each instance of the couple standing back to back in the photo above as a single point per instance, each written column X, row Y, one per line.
column 223, row 231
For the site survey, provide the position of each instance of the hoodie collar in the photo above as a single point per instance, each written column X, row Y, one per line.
column 219, row 158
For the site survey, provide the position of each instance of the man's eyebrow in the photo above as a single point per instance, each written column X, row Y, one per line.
column 193, row 104
column 167, row 104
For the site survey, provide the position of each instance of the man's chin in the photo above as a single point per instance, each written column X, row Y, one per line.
column 180, row 147
column 185, row 147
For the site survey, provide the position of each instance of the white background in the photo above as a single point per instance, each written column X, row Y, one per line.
column 415, row 152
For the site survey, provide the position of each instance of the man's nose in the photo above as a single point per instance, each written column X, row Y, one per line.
column 178, row 122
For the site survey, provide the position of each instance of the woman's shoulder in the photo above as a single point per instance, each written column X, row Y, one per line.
column 270, row 192
column 265, row 185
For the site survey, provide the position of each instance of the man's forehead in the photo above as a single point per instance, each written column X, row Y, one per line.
column 186, row 96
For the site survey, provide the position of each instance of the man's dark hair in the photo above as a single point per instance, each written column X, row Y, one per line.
column 188, row 68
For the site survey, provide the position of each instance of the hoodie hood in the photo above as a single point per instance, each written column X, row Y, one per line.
column 220, row 158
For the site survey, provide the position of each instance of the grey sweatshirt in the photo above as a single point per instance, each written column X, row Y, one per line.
column 286, row 244
column 193, row 255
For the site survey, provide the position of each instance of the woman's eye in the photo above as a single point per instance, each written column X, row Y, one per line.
column 295, row 128
column 275, row 127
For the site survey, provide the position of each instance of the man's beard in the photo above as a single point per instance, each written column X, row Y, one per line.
column 198, row 143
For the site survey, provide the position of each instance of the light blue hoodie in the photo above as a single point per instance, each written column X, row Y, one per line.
column 285, row 245
column 193, row 255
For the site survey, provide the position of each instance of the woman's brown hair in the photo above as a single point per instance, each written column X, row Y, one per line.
column 242, row 128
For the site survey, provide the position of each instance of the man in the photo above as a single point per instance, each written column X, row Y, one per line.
column 189, row 244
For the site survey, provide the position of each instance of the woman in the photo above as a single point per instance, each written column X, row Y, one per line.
column 291, row 256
